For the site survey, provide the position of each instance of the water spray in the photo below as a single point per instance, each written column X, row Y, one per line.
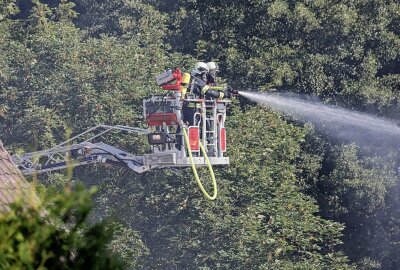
column 338, row 122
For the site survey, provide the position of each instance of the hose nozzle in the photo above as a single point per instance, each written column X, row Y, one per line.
column 232, row 91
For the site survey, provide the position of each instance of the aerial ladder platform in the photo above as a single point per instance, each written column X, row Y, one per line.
column 173, row 143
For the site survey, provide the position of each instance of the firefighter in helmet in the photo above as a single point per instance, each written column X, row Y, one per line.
column 193, row 86
column 227, row 91
column 200, row 83
column 212, row 73
column 205, row 82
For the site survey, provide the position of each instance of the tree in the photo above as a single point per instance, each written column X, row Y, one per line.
column 60, row 74
column 55, row 80
column 55, row 235
column 342, row 52
column 358, row 188
column 260, row 219
column 7, row 8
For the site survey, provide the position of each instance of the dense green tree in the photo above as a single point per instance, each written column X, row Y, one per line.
column 259, row 221
column 54, row 234
column 64, row 68
column 346, row 51
column 359, row 189
column 53, row 79
column 7, row 8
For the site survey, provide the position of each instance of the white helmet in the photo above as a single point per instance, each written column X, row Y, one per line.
column 212, row 66
column 200, row 68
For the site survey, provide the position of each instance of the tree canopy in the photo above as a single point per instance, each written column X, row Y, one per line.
column 291, row 198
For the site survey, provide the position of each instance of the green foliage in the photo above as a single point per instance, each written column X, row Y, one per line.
column 127, row 19
column 59, row 72
column 259, row 221
column 128, row 245
column 55, row 235
column 53, row 77
column 7, row 8
column 358, row 189
column 364, row 182
column 342, row 51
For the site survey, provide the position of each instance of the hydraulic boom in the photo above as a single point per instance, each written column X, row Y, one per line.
column 198, row 141
column 81, row 153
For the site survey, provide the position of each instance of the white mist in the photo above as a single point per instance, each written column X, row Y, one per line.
column 337, row 122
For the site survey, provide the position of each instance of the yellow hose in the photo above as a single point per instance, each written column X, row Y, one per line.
column 196, row 176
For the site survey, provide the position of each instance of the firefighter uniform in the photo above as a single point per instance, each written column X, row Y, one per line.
column 199, row 85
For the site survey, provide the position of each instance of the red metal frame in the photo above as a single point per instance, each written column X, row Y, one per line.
column 194, row 137
column 177, row 74
column 157, row 119
column 222, row 139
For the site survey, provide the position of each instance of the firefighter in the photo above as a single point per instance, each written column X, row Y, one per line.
column 212, row 73
column 202, row 84
column 228, row 91
column 191, row 87
column 207, row 84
